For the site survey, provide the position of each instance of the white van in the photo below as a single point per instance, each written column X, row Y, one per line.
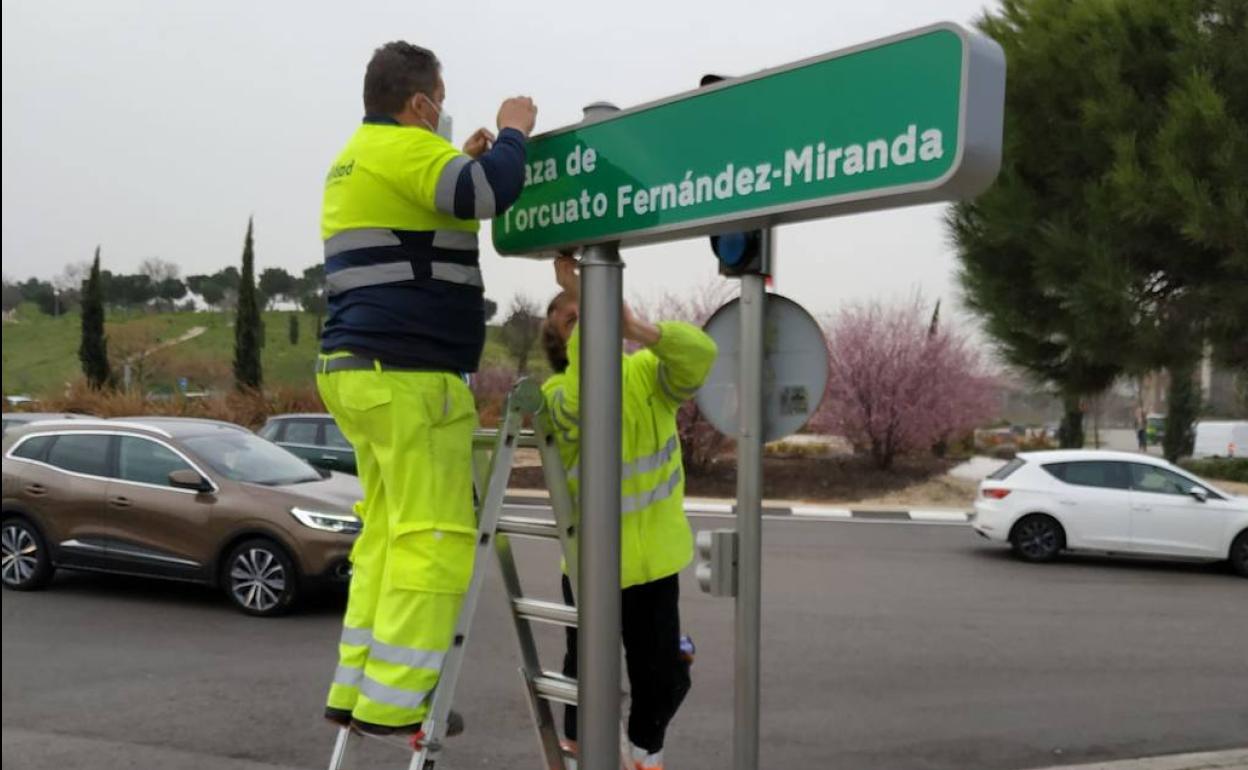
column 1221, row 439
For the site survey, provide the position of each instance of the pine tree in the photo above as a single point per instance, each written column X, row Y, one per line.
column 1115, row 237
column 93, row 349
column 1048, row 290
column 248, row 329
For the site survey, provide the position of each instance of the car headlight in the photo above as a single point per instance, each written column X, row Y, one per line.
column 328, row 522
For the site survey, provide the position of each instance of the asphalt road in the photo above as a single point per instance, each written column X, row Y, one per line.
column 885, row 646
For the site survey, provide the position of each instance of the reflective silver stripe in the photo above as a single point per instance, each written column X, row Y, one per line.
column 645, row 464
column 563, row 410
column 651, row 462
column 368, row 275
column 360, row 637
column 349, row 676
column 444, row 192
column 482, row 192
column 560, row 410
column 391, row 696
column 453, row 273
column 455, row 240
column 364, row 238
column 634, row 503
column 406, row 656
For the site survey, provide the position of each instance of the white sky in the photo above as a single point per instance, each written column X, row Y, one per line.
column 155, row 128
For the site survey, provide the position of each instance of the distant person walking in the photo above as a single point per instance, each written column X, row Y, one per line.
column 1141, row 430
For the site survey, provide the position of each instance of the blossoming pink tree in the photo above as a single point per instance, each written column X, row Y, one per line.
column 898, row 384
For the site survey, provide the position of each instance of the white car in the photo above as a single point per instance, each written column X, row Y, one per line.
column 1043, row 503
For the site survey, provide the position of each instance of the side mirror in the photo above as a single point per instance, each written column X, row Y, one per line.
column 185, row 478
column 1200, row 493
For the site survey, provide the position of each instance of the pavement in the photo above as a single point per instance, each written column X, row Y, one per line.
column 886, row 645
column 1211, row 760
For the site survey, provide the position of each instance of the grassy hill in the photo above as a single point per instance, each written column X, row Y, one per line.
column 41, row 352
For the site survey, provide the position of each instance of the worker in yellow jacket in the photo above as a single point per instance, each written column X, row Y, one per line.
column 656, row 541
column 406, row 323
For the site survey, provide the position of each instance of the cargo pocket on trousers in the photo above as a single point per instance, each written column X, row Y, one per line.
column 363, row 398
column 432, row 558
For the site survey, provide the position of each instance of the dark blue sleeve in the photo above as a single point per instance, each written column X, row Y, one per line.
column 487, row 186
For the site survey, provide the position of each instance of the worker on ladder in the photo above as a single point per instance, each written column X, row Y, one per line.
column 656, row 540
column 406, row 322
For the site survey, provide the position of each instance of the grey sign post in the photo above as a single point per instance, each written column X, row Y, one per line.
column 598, row 663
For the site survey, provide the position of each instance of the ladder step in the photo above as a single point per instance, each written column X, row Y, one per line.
column 555, row 687
column 485, row 438
column 547, row 612
column 528, row 527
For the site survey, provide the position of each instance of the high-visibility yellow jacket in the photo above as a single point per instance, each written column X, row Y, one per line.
column 399, row 225
column 656, row 540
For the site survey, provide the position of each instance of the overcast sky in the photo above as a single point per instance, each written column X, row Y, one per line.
column 156, row 128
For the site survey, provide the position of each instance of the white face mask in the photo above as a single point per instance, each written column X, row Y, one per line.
column 443, row 129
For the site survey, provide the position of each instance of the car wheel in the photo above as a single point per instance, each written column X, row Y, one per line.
column 1038, row 538
column 26, row 562
column 1239, row 554
column 260, row 578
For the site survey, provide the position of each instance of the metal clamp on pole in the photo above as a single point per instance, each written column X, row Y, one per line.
column 717, row 562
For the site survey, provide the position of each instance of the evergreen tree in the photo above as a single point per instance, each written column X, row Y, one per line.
column 1048, row 293
column 1114, row 238
column 248, row 330
column 1181, row 413
column 93, row 349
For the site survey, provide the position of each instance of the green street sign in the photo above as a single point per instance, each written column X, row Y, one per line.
column 909, row 119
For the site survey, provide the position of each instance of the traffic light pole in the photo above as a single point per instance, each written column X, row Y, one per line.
column 745, row 752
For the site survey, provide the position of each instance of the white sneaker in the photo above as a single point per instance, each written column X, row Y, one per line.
column 644, row 760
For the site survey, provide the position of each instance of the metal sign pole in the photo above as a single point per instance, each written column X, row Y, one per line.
column 745, row 752
column 598, row 601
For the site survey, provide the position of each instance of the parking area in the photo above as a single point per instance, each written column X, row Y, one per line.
column 886, row 645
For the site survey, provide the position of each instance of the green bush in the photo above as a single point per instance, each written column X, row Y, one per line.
column 1220, row 469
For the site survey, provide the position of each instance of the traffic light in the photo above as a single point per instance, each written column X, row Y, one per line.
column 738, row 253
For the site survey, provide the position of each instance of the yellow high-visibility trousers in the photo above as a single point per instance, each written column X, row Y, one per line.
column 412, row 562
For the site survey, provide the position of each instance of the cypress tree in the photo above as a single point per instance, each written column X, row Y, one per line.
column 248, row 330
column 1181, row 411
column 93, row 349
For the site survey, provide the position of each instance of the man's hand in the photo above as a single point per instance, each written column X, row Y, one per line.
column 566, row 275
column 519, row 113
column 637, row 329
column 478, row 143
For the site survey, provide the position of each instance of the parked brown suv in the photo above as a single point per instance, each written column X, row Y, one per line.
column 181, row 499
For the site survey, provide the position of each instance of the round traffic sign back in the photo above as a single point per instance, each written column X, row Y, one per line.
column 795, row 368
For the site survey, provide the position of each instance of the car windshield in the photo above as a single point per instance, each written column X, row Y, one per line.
column 245, row 457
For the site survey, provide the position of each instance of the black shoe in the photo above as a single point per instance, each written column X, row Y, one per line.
column 454, row 723
column 339, row 717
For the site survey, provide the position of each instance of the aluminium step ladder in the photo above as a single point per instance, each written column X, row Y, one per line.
column 493, row 459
